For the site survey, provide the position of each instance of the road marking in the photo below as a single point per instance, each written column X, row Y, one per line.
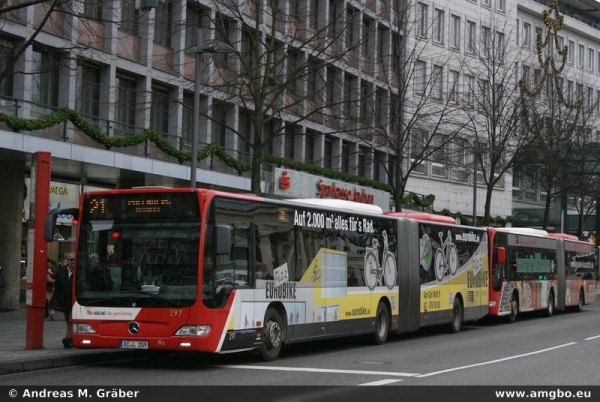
column 381, row 382
column 495, row 361
column 317, row 370
column 593, row 337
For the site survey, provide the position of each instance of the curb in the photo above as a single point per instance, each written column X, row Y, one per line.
column 14, row 367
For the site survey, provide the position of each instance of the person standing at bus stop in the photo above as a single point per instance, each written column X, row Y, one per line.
column 63, row 297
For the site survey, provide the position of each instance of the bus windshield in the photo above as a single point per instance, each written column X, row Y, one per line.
column 138, row 249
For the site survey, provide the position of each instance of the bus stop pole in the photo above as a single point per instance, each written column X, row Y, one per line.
column 37, row 250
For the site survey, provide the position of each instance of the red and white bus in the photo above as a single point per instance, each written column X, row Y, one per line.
column 536, row 270
column 203, row 270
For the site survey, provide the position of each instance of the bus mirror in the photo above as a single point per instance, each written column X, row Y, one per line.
column 50, row 222
column 500, row 255
column 222, row 239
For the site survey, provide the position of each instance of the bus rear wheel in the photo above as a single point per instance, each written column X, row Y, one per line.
column 550, row 310
column 457, row 316
column 382, row 324
column 272, row 336
column 581, row 304
column 514, row 309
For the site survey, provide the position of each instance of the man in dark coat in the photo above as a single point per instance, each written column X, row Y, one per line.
column 63, row 296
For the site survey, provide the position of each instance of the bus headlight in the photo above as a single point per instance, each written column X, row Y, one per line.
column 194, row 330
column 83, row 329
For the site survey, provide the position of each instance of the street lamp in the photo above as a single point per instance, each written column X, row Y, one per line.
column 211, row 46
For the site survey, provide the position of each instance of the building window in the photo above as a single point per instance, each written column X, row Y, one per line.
column 129, row 17
column 328, row 153
column 438, row 156
column 314, row 81
column 248, row 51
column 309, row 146
column 125, row 105
column 571, row 52
column 455, row 31
column 365, row 102
column 349, row 85
column 334, row 18
column 362, row 161
column 561, row 45
column 159, row 121
column 92, row 9
column 459, row 157
column 6, row 60
column 471, row 37
column 580, row 56
column 291, row 133
column 421, row 20
column 394, row 112
column 382, row 44
column 486, row 3
column 222, row 30
column 453, row 77
column 420, row 77
column 469, row 90
column 591, row 59
column 417, row 147
column 500, row 5
column 569, row 91
column 484, row 87
column 352, row 35
column 486, row 34
column 526, row 34
column 331, row 87
column 438, row 82
column 87, row 102
column 499, row 46
column 345, row 157
column 366, row 39
column 163, row 22
column 44, row 79
column 194, row 18
column 438, row 26
column 314, row 14
column 396, row 52
column 219, row 126
column 525, row 77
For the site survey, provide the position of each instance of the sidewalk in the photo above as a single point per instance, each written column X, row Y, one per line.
column 15, row 358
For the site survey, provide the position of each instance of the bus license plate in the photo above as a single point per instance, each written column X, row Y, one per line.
column 133, row 344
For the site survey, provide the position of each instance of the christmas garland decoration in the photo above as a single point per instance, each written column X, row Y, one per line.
column 61, row 115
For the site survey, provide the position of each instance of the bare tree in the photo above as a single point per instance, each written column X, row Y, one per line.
column 287, row 71
column 560, row 120
column 425, row 121
column 491, row 99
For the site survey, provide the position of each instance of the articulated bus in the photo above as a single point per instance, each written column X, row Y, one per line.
column 536, row 270
column 204, row 270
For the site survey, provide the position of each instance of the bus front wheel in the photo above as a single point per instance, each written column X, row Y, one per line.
column 457, row 316
column 272, row 336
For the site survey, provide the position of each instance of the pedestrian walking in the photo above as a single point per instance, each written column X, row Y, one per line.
column 63, row 297
column 50, row 280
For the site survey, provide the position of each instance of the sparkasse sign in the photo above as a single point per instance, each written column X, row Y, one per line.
column 293, row 184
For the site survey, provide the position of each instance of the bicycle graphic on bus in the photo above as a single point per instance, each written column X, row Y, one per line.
column 375, row 274
column 446, row 256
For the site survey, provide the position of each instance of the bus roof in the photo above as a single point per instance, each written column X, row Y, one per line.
column 524, row 231
column 340, row 204
column 565, row 236
column 424, row 216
